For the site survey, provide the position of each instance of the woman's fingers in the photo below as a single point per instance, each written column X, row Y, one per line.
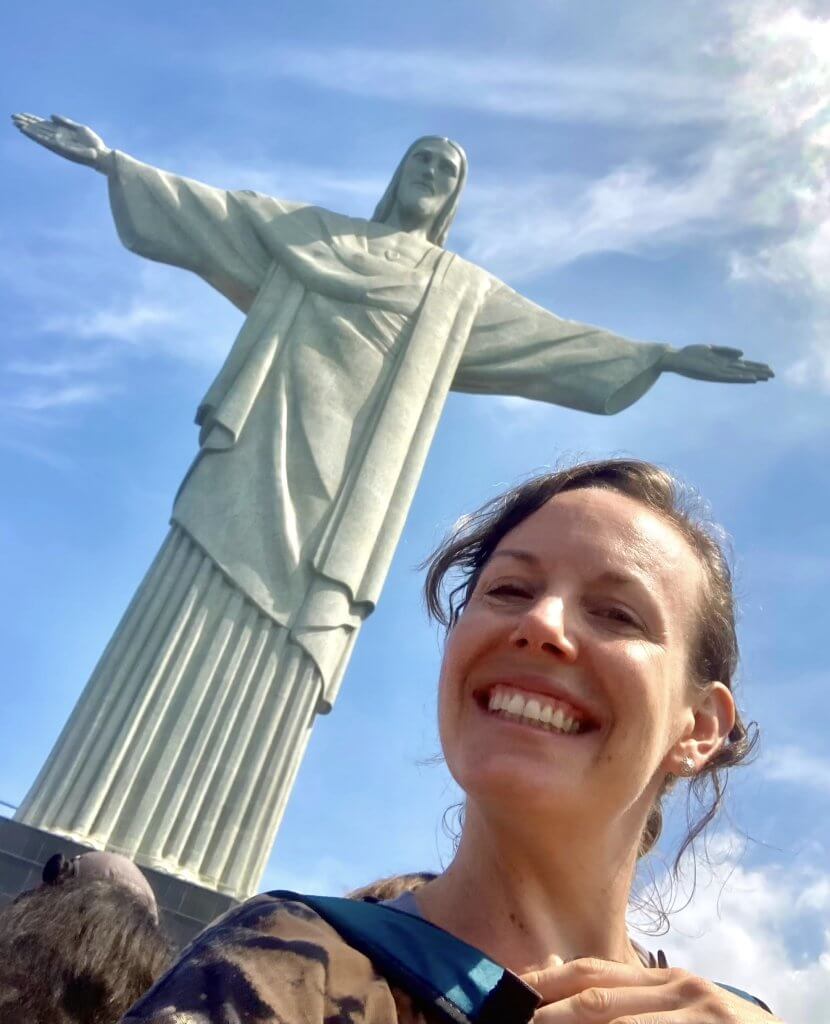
column 607, row 1005
column 557, row 983
column 591, row 991
column 690, row 1002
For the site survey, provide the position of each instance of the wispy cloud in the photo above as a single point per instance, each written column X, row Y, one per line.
column 514, row 86
column 556, row 220
column 313, row 183
column 785, row 89
column 40, row 399
column 61, row 366
column 128, row 323
column 39, row 452
column 792, row 764
column 764, row 930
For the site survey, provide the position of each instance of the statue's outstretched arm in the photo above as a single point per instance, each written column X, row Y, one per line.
column 67, row 138
column 519, row 348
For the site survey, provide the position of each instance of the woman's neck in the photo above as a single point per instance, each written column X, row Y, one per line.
column 522, row 901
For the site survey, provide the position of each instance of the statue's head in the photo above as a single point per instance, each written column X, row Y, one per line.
column 427, row 185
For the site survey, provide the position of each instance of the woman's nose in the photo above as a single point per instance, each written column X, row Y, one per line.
column 543, row 628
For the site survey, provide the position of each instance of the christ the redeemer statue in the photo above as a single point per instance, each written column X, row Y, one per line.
column 184, row 746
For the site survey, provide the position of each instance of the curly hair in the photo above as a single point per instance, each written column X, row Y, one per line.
column 77, row 953
column 455, row 566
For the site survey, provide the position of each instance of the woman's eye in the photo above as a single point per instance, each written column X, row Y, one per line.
column 507, row 591
column 618, row 614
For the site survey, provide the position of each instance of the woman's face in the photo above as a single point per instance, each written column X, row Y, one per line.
column 564, row 684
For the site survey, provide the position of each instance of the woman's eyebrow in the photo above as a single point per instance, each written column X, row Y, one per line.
column 642, row 582
column 623, row 579
column 522, row 556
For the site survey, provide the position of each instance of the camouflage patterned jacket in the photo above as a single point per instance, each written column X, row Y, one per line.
column 282, row 958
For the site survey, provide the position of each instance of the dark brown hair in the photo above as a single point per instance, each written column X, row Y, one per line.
column 77, row 953
column 455, row 566
column 391, row 887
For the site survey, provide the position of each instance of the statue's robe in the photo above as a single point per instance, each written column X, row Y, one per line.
column 313, row 437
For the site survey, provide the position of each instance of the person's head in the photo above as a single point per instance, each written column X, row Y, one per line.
column 111, row 867
column 426, row 186
column 81, row 952
column 597, row 592
column 391, row 887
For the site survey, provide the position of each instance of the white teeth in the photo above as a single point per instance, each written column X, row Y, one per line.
column 516, row 704
column 533, row 709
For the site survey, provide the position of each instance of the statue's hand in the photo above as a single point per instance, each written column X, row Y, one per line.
column 66, row 138
column 717, row 363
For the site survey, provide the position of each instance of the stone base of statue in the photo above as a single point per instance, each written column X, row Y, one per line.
column 185, row 908
column 183, row 748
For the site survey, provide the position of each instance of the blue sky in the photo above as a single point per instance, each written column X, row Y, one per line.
column 665, row 177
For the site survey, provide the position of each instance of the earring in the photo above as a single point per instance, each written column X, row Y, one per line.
column 687, row 766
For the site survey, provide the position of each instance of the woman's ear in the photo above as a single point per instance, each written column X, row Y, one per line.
column 713, row 720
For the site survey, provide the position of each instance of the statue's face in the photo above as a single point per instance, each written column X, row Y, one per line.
column 429, row 177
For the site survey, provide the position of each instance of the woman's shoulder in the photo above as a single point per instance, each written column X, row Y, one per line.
column 272, row 958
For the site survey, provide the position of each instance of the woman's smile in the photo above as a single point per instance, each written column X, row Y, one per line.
column 530, row 707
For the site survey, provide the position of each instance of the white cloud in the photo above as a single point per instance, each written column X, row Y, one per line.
column 557, row 220
column 65, row 365
column 515, row 86
column 791, row 764
column 39, row 452
column 785, row 89
column 166, row 312
column 738, row 929
column 43, row 398
column 312, row 183
column 125, row 323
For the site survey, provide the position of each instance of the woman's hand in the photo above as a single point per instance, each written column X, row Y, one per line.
column 67, row 138
column 592, row 991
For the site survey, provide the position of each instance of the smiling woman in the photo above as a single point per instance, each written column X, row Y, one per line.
column 589, row 663
column 628, row 583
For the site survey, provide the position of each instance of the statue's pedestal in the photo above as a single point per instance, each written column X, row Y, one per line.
column 185, row 908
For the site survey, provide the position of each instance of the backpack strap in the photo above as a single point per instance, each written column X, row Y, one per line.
column 744, row 995
column 439, row 970
column 457, row 979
